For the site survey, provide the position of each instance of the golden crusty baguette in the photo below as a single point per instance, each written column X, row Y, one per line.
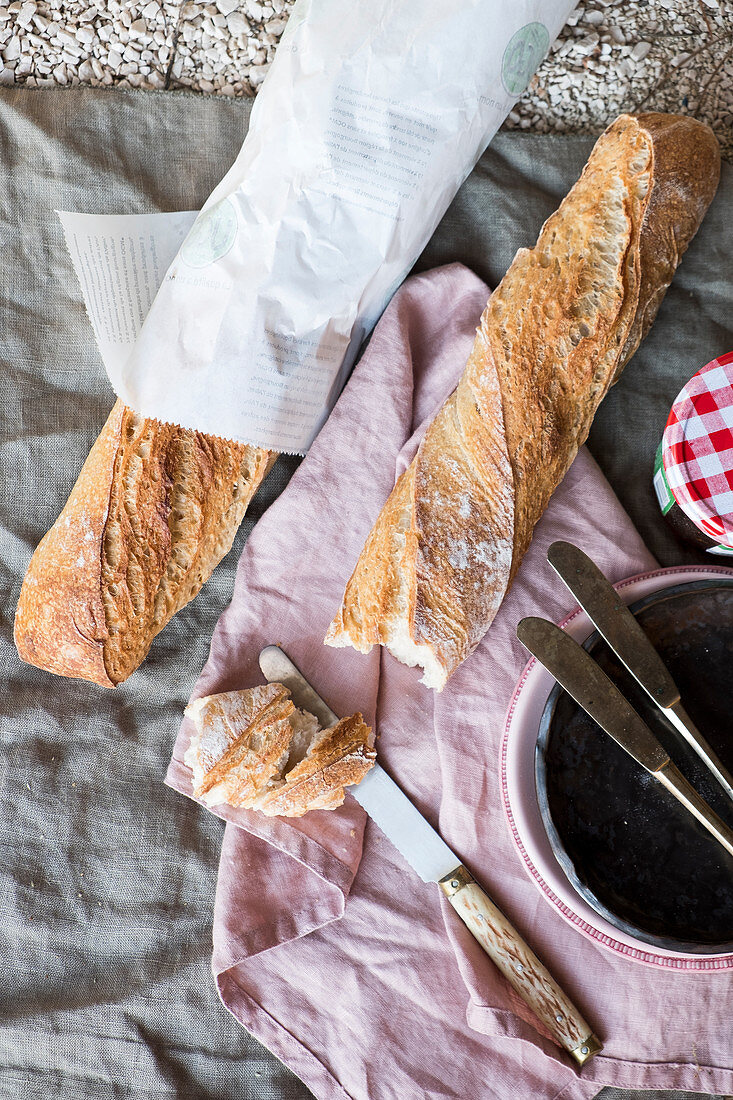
column 253, row 749
column 153, row 511
column 555, row 335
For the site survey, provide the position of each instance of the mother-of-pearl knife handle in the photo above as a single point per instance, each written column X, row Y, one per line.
column 520, row 966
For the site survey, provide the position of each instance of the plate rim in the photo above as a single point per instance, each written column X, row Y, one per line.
column 588, row 922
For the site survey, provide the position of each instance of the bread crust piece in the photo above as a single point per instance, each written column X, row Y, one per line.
column 244, row 749
column 555, row 335
column 153, row 511
column 240, row 741
column 340, row 757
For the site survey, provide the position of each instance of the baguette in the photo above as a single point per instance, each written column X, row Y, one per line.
column 555, row 335
column 153, row 511
column 253, row 749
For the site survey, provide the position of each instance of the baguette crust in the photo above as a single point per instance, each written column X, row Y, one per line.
column 60, row 622
column 153, row 511
column 555, row 335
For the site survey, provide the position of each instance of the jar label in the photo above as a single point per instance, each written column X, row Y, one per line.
column 661, row 486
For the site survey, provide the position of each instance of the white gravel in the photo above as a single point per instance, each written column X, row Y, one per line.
column 666, row 55
column 613, row 55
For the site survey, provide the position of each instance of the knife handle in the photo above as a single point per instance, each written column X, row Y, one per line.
column 520, row 966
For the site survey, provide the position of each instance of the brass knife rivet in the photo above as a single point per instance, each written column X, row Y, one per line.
column 584, row 1050
column 455, row 884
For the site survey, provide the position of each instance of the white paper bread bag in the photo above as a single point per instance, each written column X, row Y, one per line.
column 369, row 120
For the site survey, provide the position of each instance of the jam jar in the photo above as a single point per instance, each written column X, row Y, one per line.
column 693, row 470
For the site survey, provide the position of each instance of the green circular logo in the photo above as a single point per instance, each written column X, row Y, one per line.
column 525, row 50
column 211, row 235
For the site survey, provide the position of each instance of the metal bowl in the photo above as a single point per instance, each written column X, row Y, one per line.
column 625, row 845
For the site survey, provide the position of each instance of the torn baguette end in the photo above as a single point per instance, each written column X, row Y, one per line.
column 398, row 641
column 339, row 636
column 417, row 655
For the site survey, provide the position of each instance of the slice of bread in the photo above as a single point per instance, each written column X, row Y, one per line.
column 254, row 749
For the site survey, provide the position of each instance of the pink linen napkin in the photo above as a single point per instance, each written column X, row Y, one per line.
column 353, row 971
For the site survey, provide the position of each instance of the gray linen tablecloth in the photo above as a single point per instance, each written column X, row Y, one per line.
column 108, row 877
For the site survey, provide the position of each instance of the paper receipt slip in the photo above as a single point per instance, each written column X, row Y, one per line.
column 371, row 117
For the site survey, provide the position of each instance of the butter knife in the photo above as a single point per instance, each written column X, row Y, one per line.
column 576, row 671
column 429, row 855
column 613, row 620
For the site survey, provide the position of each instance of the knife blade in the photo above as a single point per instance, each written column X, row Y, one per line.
column 577, row 672
column 614, row 622
column 428, row 854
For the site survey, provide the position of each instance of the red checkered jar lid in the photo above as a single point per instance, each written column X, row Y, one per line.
column 697, row 449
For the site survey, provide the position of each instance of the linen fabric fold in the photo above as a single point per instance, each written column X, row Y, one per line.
column 327, row 947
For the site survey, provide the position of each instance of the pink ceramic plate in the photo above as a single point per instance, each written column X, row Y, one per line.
column 520, row 799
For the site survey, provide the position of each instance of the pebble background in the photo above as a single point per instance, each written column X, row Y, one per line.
column 612, row 56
